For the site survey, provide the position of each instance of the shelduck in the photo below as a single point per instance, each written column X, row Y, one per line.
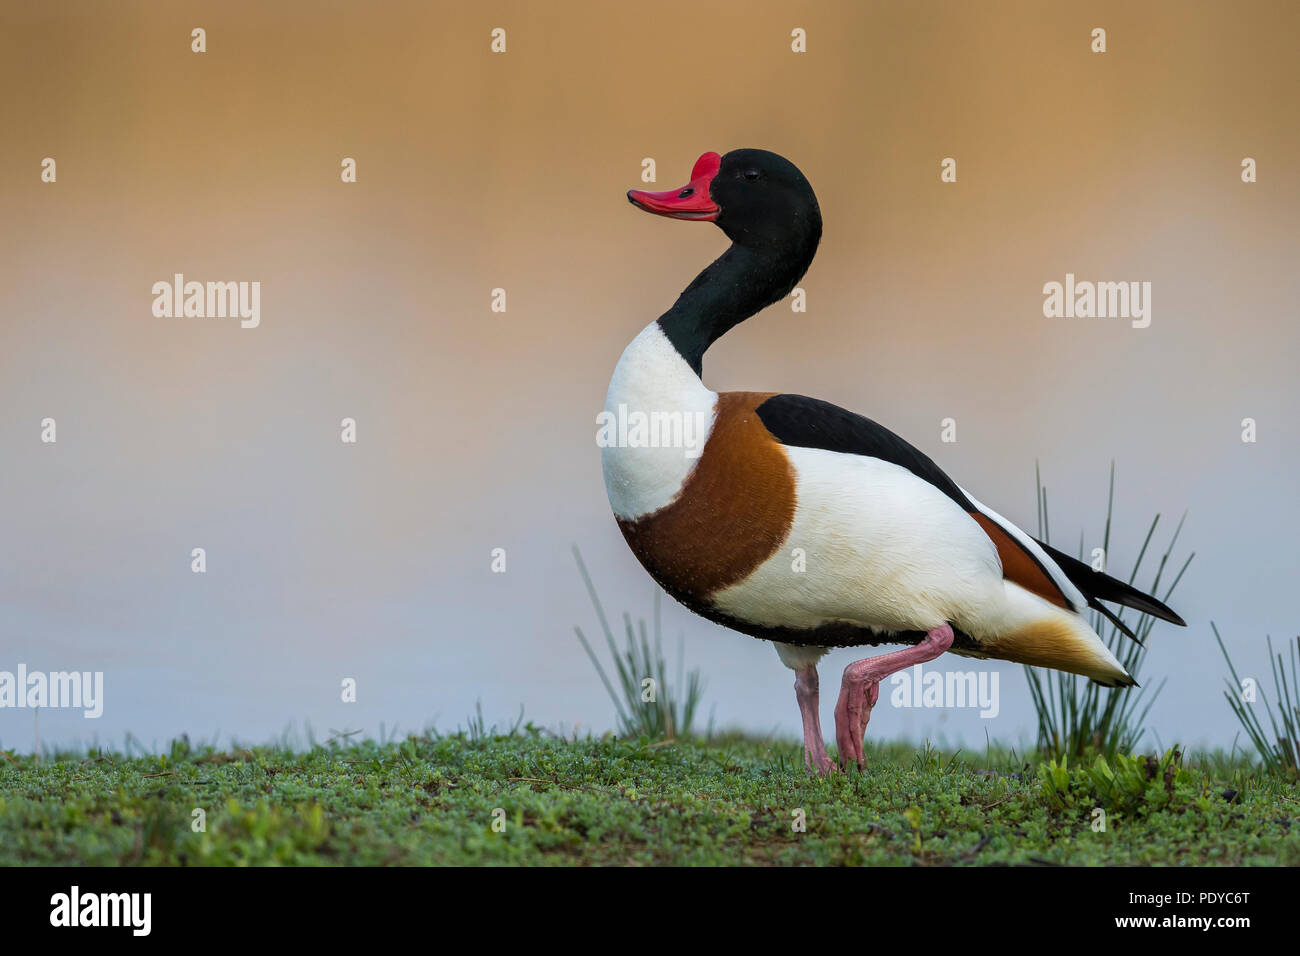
column 896, row 551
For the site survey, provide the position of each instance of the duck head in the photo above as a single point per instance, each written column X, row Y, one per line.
column 770, row 214
column 759, row 199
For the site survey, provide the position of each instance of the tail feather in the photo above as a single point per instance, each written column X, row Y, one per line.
column 1098, row 586
column 1039, row 634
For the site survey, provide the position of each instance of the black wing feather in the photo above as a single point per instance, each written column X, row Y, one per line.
column 1110, row 615
column 1097, row 586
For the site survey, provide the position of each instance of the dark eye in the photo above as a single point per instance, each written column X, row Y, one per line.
column 752, row 174
column 688, row 191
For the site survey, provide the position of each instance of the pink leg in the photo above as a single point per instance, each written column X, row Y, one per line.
column 814, row 748
column 861, row 688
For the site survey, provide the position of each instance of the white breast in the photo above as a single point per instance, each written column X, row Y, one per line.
column 661, row 414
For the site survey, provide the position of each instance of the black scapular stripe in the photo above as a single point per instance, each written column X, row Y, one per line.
column 804, row 422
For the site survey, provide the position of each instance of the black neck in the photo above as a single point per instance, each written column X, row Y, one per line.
column 739, row 283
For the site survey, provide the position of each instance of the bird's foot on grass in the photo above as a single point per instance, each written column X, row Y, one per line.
column 814, row 748
column 852, row 712
column 819, row 763
column 860, row 689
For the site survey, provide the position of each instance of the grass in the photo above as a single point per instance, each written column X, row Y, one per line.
column 432, row 800
column 646, row 701
column 1075, row 715
column 1280, row 749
